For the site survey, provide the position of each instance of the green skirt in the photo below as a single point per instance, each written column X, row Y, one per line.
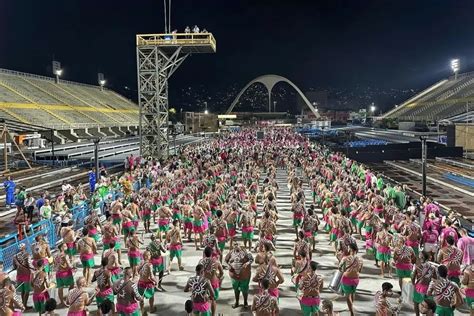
column 240, row 285
column 116, row 247
column 418, row 297
column 348, row 289
column 65, row 282
column 309, row 310
column 88, row 263
column 100, row 300
column 221, row 245
column 444, row 311
column 146, row 292
column 403, row 273
column 134, row 261
column 469, row 302
column 177, row 216
column 176, row 253
column 71, row 251
column 25, row 287
column 40, row 306
column 297, row 222
column 247, row 235
column 135, row 313
column 384, row 257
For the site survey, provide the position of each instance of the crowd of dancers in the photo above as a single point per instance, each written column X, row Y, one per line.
column 208, row 196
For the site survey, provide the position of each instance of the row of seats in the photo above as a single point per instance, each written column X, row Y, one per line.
column 442, row 102
column 77, row 104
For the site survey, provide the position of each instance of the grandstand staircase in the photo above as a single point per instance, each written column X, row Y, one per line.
column 60, row 100
column 38, row 106
column 88, row 103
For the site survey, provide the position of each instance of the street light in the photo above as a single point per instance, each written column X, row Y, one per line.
column 206, row 112
column 455, row 65
column 372, row 108
column 205, row 108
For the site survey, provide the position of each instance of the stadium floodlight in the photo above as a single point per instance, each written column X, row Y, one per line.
column 57, row 71
column 101, row 80
column 455, row 65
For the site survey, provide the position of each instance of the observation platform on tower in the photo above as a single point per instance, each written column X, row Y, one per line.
column 189, row 42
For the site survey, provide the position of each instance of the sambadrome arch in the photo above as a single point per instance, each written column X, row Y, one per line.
column 269, row 81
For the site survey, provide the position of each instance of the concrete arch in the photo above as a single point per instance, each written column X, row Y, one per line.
column 269, row 81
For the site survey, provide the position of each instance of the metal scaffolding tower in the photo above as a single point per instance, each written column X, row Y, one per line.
column 158, row 57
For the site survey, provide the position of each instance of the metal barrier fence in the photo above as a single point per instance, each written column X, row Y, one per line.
column 10, row 245
column 7, row 240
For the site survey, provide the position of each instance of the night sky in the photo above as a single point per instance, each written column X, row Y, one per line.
column 384, row 44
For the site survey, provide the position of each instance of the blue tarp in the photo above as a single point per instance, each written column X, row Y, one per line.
column 460, row 179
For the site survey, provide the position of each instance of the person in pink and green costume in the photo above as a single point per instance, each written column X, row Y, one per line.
column 202, row 292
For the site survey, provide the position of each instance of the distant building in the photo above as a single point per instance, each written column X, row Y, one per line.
column 197, row 122
column 335, row 116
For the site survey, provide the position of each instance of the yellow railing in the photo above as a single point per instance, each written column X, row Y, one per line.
column 180, row 39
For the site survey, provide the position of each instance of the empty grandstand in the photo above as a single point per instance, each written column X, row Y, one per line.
column 445, row 99
column 72, row 109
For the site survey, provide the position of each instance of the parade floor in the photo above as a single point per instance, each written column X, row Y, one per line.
column 172, row 300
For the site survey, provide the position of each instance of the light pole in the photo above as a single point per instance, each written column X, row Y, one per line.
column 101, row 80
column 52, row 144
column 205, row 108
column 424, row 153
column 315, row 104
column 58, row 74
column 96, row 157
column 372, row 113
column 57, row 70
column 455, row 65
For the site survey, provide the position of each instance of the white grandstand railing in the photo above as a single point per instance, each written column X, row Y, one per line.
column 24, row 74
column 85, row 125
column 459, row 76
